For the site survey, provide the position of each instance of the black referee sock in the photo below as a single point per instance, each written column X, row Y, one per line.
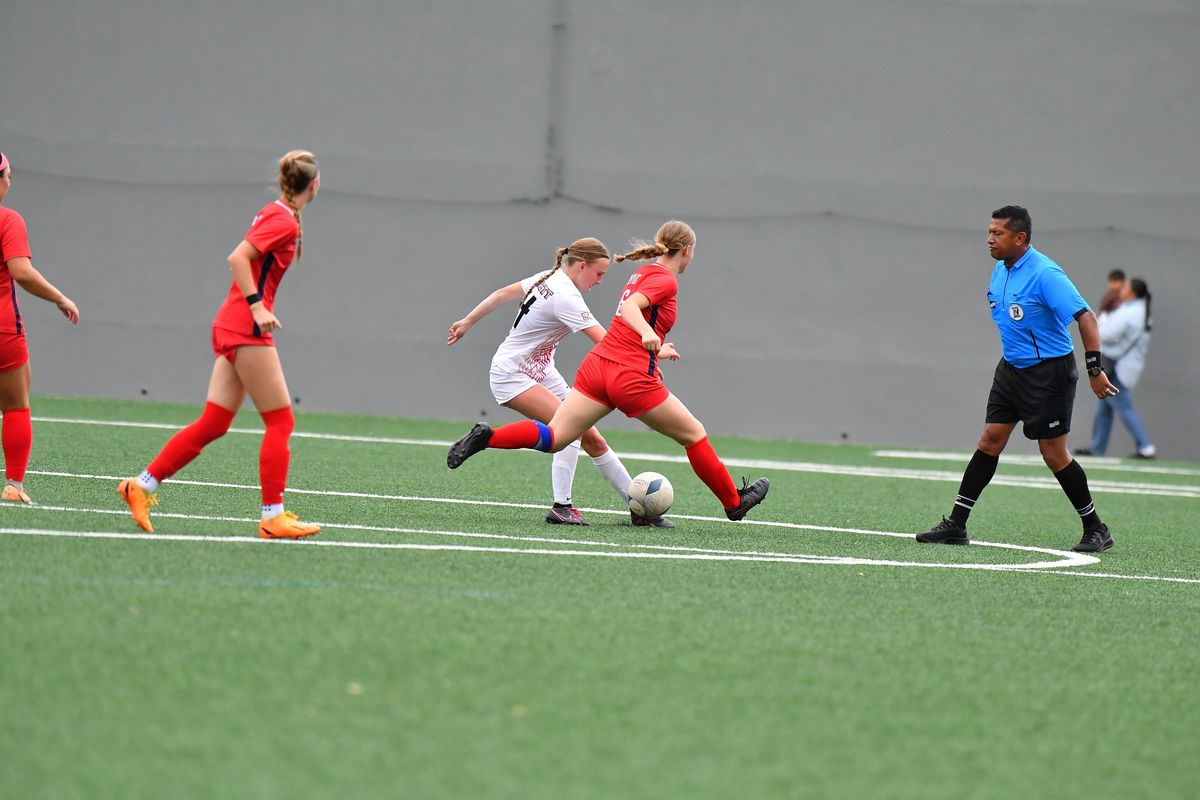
column 977, row 476
column 1073, row 480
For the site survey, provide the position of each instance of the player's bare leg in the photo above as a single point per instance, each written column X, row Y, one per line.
column 18, row 431
column 261, row 373
column 673, row 419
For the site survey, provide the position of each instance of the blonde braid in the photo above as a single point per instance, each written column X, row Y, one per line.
column 585, row 250
column 297, row 170
column 671, row 237
column 562, row 251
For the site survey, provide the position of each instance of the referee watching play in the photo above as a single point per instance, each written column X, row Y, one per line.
column 1032, row 302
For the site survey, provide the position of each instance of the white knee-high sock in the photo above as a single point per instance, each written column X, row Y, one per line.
column 562, row 472
column 614, row 472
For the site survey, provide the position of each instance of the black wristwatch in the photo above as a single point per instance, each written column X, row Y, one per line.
column 1092, row 360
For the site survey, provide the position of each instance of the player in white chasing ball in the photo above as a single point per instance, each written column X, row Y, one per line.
column 524, row 377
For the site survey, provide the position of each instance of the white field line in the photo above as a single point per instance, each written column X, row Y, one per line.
column 1024, row 459
column 1113, row 575
column 154, row 537
column 1029, row 482
column 455, row 534
column 680, row 554
column 1065, row 558
column 794, row 559
column 165, row 426
column 677, row 554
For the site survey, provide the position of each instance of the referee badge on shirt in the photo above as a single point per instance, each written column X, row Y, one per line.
column 1016, row 312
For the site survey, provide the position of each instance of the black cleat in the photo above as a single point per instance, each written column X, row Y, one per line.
column 945, row 532
column 1095, row 540
column 469, row 445
column 750, row 496
column 646, row 522
column 565, row 515
column 1084, row 451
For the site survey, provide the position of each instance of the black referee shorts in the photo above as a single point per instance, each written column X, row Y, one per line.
column 1042, row 396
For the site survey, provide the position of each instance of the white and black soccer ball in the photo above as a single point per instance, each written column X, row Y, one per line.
column 650, row 495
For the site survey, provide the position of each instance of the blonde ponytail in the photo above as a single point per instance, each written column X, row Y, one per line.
column 297, row 170
column 586, row 249
column 672, row 237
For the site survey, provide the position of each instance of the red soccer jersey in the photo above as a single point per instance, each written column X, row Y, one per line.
column 273, row 234
column 622, row 343
column 14, row 243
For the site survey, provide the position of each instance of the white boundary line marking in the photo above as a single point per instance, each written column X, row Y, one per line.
column 1091, row 462
column 683, row 554
column 1065, row 558
column 1068, row 558
column 1027, row 482
column 665, row 551
column 687, row 555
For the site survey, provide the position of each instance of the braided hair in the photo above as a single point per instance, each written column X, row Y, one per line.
column 586, row 249
column 297, row 170
column 672, row 237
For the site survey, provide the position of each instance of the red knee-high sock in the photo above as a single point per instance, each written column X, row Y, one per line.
column 526, row 433
column 711, row 470
column 184, row 446
column 275, row 455
column 16, row 431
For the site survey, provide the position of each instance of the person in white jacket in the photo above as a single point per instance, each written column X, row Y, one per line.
column 1125, row 337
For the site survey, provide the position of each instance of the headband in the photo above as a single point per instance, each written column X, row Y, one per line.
column 3, row 162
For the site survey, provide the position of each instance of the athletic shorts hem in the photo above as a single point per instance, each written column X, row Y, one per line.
column 14, row 351
column 507, row 385
column 630, row 391
column 1042, row 397
column 225, row 343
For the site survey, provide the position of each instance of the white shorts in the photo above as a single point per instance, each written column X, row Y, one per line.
column 506, row 385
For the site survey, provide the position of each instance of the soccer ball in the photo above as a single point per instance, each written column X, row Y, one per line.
column 650, row 495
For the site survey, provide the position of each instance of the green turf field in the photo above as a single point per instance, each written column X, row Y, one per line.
column 439, row 640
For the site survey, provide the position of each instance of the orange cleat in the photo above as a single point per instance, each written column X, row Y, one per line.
column 14, row 495
column 286, row 526
column 139, row 501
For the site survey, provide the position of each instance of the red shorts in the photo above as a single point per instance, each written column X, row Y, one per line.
column 13, row 351
column 629, row 390
column 226, row 342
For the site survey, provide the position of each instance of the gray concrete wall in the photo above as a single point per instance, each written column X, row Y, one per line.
column 838, row 161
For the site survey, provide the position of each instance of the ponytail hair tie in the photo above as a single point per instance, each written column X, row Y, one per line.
column 3, row 162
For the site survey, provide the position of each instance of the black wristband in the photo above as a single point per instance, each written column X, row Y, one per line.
column 1092, row 360
column 251, row 299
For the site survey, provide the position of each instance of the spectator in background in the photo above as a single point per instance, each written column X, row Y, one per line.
column 1112, row 297
column 1125, row 337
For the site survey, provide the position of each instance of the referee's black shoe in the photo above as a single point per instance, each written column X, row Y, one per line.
column 477, row 439
column 1095, row 540
column 750, row 496
column 945, row 532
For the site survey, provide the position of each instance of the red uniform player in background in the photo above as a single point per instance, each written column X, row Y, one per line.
column 246, row 359
column 16, row 268
column 622, row 372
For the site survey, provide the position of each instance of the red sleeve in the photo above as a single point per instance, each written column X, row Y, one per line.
column 658, row 286
column 272, row 230
column 14, row 238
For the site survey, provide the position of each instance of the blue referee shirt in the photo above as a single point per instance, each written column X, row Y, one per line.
column 1033, row 304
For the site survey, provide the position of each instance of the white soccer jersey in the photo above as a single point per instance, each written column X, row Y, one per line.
column 546, row 316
